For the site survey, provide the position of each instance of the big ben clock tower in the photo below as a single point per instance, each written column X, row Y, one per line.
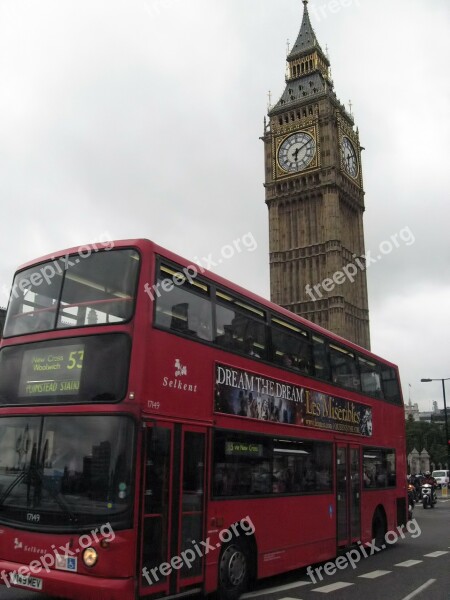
column 315, row 197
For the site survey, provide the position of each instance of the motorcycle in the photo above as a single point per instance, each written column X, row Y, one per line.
column 428, row 495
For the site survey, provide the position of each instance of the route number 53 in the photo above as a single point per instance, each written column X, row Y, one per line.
column 76, row 360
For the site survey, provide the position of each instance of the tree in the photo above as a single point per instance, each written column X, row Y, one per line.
column 431, row 436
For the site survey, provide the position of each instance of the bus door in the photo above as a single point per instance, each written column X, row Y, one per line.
column 348, row 490
column 173, row 507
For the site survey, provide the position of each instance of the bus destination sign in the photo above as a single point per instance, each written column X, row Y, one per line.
column 243, row 449
column 245, row 394
column 51, row 371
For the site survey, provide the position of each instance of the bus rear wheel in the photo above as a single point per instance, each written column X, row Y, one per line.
column 379, row 530
column 233, row 570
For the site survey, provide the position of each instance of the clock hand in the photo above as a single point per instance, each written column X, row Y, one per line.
column 298, row 150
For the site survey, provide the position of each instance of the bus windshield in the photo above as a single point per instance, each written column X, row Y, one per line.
column 66, row 471
column 73, row 291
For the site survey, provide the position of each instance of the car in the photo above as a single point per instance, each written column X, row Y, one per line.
column 442, row 477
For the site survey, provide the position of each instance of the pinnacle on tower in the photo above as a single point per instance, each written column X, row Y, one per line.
column 306, row 39
column 307, row 69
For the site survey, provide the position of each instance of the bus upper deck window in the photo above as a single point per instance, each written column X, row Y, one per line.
column 73, row 292
column 183, row 305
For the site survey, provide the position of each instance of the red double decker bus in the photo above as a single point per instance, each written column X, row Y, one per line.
column 163, row 431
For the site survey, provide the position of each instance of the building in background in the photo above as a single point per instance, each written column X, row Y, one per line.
column 436, row 415
column 315, row 197
column 412, row 411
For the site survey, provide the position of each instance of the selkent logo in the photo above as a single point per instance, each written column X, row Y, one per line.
column 178, row 381
column 180, row 369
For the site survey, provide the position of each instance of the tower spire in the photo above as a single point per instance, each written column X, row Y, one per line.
column 306, row 40
column 307, row 68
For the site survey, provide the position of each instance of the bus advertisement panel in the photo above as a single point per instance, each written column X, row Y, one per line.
column 249, row 395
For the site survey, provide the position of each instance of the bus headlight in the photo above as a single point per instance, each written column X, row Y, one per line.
column 90, row 557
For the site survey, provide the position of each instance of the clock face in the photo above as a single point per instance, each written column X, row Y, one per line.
column 296, row 152
column 349, row 157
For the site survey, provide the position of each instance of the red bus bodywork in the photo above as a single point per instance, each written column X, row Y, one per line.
column 290, row 531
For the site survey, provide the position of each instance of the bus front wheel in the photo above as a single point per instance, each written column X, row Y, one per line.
column 233, row 570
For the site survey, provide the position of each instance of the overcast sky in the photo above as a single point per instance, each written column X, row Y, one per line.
column 142, row 118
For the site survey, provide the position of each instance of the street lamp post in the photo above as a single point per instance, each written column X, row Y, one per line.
column 445, row 414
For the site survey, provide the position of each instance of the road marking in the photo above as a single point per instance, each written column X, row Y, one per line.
column 422, row 587
column 326, row 589
column 280, row 588
column 374, row 574
column 437, row 553
column 408, row 563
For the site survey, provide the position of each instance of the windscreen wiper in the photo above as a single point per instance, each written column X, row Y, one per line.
column 57, row 496
column 11, row 486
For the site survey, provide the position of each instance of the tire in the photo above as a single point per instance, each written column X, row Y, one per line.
column 379, row 530
column 425, row 504
column 234, row 570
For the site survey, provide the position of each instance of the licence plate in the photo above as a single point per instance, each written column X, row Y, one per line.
column 26, row 581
